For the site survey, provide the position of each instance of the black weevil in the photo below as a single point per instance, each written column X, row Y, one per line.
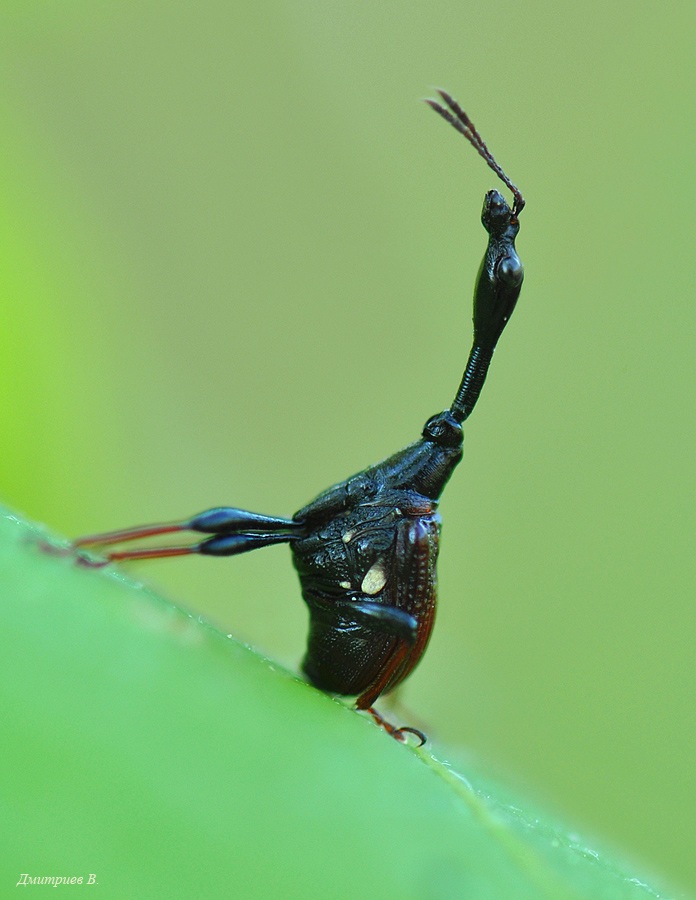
column 365, row 550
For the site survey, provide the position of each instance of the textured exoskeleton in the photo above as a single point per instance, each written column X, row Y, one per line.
column 365, row 550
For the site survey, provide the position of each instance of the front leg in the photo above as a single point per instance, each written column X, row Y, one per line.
column 381, row 619
column 378, row 618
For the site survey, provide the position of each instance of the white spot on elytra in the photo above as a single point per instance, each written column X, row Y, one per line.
column 348, row 536
column 375, row 579
column 345, row 585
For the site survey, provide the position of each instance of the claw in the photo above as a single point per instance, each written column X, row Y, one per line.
column 396, row 733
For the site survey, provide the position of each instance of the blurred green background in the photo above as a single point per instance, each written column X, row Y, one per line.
column 237, row 262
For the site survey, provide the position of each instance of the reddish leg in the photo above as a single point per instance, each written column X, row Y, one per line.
column 230, row 531
column 130, row 534
column 397, row 733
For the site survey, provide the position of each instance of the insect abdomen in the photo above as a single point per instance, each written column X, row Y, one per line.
column 350, row 658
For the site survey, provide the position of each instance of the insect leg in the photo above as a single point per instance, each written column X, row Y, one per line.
column 234, row 531
column 395, row 732
column 228, row 520
column 380, row 618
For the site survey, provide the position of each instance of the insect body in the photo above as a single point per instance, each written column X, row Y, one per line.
column 365, row 550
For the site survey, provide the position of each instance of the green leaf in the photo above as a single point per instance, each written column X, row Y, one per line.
column 143, row 746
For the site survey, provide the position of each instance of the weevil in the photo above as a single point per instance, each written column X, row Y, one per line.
column 365, row 550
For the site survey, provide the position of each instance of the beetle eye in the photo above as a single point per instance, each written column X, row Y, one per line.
column 442, row 429
column 511, row 270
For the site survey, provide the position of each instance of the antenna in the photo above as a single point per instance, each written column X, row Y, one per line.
column 458, row 119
